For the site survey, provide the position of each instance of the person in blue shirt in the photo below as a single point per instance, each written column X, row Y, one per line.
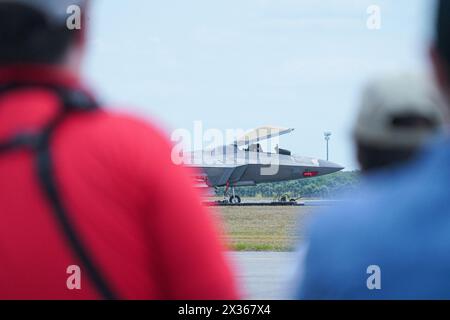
column 392, row 241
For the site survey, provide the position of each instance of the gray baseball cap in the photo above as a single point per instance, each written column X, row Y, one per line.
column 54, row 10
column 388, row 99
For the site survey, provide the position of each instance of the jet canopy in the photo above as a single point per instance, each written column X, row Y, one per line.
column 261, row 134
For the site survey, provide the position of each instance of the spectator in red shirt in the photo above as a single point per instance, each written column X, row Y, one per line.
column 91, row 205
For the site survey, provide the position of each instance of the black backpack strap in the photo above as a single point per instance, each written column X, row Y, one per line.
column 72, row 101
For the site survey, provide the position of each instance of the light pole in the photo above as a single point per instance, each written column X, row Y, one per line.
column 327, row 136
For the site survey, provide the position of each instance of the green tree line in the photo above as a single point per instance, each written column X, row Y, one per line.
column 319, row 187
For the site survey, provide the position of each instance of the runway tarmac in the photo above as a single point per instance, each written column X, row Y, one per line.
column 265, row 275
column 268, row 202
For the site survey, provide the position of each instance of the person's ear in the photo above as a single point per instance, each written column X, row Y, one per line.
column 81, row 40
column 75, row 53
column 441, row 70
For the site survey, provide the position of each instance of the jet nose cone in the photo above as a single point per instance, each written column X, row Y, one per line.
column 330, row 166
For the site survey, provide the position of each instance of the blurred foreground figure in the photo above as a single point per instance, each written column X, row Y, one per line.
column 398, row 115
column 87, row 207
column 393, row 240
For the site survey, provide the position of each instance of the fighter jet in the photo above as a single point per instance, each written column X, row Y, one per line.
column 244, row 163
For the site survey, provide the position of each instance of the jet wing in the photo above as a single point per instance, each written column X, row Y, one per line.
column 260, row 134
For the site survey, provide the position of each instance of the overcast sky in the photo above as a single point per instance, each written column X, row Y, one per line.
column 247, row 63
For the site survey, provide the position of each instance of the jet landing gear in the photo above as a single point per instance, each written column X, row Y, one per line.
column 233, row 199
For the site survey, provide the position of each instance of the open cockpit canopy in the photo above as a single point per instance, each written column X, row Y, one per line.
column 261, row 134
